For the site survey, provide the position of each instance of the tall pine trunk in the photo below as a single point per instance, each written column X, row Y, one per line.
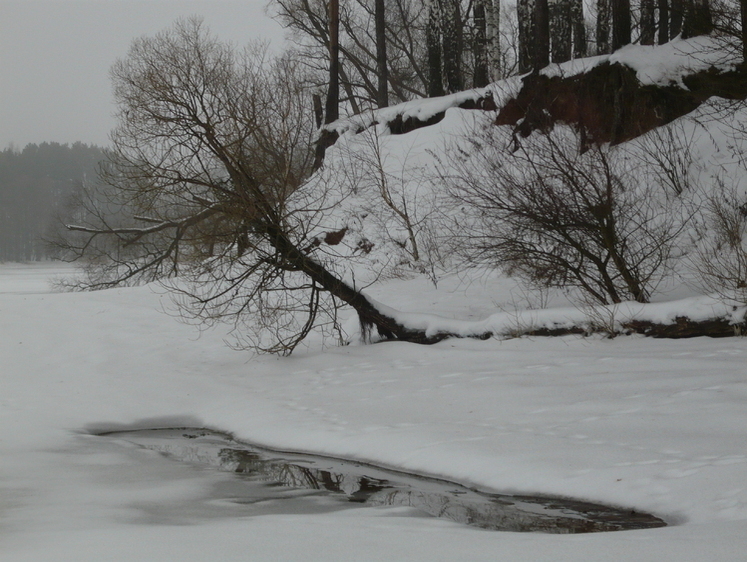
column 676, row 14
column 620, row 23
column 525, row 20
column 663, row 21
column 493, row 17
column 481, row 75
column 578, row 26
column 561, row 30
column 647, row 22
column 603, row 26
column 697, row 18
column 382, row 93
column 433, row 47
column 542, row 34
column 452, row 40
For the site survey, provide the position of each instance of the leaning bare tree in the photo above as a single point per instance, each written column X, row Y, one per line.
column 209, row 162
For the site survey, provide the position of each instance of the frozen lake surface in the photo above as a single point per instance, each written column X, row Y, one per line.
column 656, row 426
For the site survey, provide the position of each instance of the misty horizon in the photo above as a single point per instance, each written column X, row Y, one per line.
column 57, row 55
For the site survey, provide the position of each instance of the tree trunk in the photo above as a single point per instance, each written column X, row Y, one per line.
column 542, row 34
column 481, row 76
column 647, row 22
column 433, row 47
column 332, row 109
column 684, row 327
column 561, row 34
column 493, row 17
column 526, row 26
column 369, row 316
column 579, row 29
column 743, row 10
column 675, row 18
column 382, row 93
column 663, row 21
column 603, row 26
column 452, row 38
column 697, row 18
column 620, row 24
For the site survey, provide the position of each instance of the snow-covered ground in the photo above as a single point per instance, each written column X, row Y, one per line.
column 655, row 425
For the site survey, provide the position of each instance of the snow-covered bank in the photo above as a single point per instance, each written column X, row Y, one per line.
column 657, row 425
column 589, row 319
column 663, row 65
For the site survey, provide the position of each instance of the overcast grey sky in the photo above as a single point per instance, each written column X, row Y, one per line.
column 55, row 57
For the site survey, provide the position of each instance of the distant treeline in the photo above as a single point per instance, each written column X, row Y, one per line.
column 35, row 187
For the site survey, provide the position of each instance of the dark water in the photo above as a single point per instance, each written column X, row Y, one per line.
column 271, row 476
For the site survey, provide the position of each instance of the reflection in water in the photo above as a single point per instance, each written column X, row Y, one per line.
column 274, row 473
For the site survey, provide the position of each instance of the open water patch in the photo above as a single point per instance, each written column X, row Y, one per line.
column 268, row 475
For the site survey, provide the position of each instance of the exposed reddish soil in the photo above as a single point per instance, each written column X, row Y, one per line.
column 609, row 104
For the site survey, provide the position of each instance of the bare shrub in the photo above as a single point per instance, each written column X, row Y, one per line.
column 721, row 260
column 559, row 218
column 394, row 193
column 667, row 155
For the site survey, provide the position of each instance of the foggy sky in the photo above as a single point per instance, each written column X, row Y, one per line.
column 55, row 57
